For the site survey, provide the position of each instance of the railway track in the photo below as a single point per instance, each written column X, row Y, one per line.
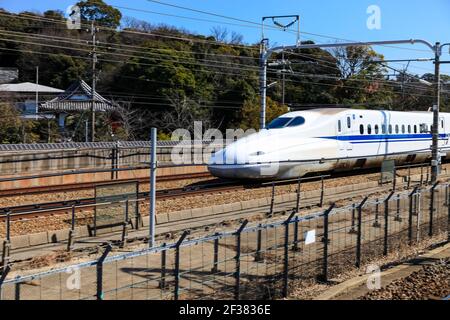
column 91, row 185
column 88, row 204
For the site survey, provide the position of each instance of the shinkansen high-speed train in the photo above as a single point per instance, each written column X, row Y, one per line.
column 328, row 139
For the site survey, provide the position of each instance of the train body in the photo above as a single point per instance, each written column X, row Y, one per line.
column 331, row 139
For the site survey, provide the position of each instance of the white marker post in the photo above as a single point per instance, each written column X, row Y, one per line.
column 153, row 165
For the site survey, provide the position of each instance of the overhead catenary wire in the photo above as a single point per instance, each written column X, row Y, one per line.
column 193, row 40
column 228, row 66
column 209, row 71
column 108, row 53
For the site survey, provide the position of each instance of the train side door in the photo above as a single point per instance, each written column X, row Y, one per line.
column 344, row 130
column 340, row 131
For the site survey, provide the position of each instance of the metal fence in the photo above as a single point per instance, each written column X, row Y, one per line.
column 255, row 261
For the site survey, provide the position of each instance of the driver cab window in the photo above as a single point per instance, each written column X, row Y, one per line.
column 297, row 121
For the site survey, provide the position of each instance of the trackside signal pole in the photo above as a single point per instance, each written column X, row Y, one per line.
column 153, row 166
column 94, row 61
column 435, row 156
column 437, row 49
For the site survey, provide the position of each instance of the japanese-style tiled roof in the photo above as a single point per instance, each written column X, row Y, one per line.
column 78, row 97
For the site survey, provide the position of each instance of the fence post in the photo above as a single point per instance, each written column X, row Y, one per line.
column 421, row 174
column 286, row 255
column 325, row 243
column 70, row 241
column 446, row 195
column 137, row 213
column 295, row 246
column 7, row 242
column 113, row 162
column 397, row 210
column 409, row 177
column 4, row 274
column 237, row 289
column 17, row 290
column 448, row 217
column 162, row 282
column 376, row 223
column 272, row 199
column 321, row 191
column 297, row 205
column 430, row 230
column 258, row 255
column 125, row 225
column 352, row 228
column 100, row 272
column 177, row 264
column 410, row 215
column 215, row 267
column 418, row 212
column 394, row 181
column 386, row 223
column 358, row 238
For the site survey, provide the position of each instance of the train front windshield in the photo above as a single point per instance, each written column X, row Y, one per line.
column 284, row 122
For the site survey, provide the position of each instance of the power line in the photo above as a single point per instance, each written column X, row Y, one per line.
column 256, row 23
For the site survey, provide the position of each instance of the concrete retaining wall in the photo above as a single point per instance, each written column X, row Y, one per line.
column 40, row 162
column 96, row 177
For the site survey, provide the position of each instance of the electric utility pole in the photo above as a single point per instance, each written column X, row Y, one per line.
column 37, row 93
column 94, row 61
column 435, row 159
column 283, row 78
column 435, row 154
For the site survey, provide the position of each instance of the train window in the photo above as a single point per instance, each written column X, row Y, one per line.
column 390, row 128
column 369, row 129
column 415, row 128
column 339, row 126
column 297, row 121
column 409, row 128
column 361, row 129
column 442, row 124
column 376, row 129
column 278, row 123
column 349, row 122
column 396, row 128
column 383, row 129
column 403, row 128
column 423, row 128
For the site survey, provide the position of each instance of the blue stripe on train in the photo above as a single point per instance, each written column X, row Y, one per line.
column 357, row 139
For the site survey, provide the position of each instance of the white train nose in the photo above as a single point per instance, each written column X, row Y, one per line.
column 230, row 164
column 231, row 155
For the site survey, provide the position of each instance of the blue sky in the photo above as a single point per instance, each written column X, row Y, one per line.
column 346, row 19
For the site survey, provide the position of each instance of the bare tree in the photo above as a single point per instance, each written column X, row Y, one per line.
column 136, row 24
column 219, row 33
column 185, row 112
column 134, row 121
column 236, row 38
